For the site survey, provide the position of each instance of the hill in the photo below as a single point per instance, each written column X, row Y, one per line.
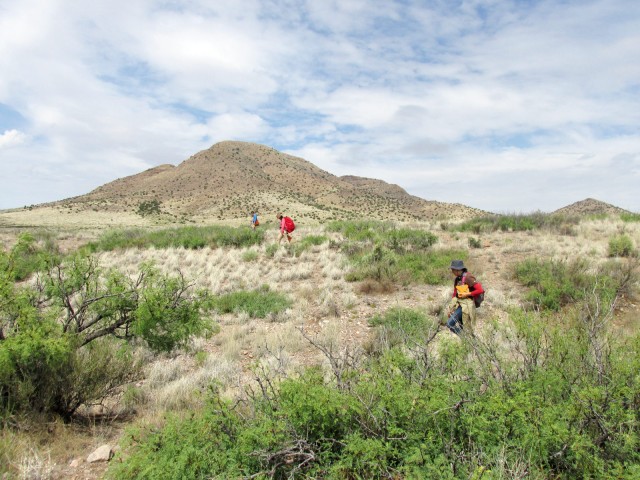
column 230, row 179
column 590, row 206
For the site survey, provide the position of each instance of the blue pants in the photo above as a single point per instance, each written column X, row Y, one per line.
column 455, row 321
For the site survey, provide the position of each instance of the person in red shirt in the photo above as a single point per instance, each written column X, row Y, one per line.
column 284, row 229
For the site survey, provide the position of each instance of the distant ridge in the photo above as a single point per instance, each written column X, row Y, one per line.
column 230, row 179
column 590, row 206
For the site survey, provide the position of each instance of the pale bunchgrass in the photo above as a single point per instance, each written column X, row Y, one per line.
column 35, row 465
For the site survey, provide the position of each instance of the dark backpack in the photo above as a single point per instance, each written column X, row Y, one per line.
column 478, row 299
column 289, row 225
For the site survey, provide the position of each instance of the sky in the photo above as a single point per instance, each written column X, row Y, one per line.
column 505, row 105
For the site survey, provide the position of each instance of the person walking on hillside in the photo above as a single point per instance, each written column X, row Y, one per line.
column 286, row 227
column 254, row 220
column 462, row 307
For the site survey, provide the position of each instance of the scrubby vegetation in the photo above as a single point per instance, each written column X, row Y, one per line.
column 305, row 377
column 256, row 304
column 66, row 337
column 381, row 252
column 563, row 407
column 621, row 246
column 519, row 222
column 185, row 237
column 555, row 284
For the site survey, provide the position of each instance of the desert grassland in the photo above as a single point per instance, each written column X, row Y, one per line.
column 327, row 309
column 325, row 305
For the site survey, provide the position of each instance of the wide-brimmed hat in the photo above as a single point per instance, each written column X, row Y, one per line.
column 457, row 265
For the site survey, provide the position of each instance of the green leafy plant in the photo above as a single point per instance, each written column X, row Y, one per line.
column 555, row 284
column 64, row 339
column 149, row 207
column 561, row 408
column 250, row 256
column 257, row 303
column 621, row 246
column 475, row 242
column 630, row 217
column 185, row 237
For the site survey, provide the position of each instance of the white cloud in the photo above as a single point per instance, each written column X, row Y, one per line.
column 12, row 138
column 530, row 100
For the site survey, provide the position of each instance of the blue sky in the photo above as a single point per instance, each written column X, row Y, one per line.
column 508, row 106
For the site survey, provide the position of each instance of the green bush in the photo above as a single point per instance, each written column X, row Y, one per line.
column 149, row 207
column 249, row 256
column 64, row 338
column 475, row 242
column 296, row 249
column 185, row 237
column 28, row 256
column 518, row 223
column 472, row 409
column 621, row 246
column 359, row 231
column 257, row 303
column 554, row 284
column 399, row 325
column 630, row 217
column 271, row 250
column 430, row 267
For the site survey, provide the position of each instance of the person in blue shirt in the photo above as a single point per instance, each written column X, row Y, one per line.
column 254, row 220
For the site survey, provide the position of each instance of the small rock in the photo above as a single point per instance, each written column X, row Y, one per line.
column 75, row 463
column 101, row 454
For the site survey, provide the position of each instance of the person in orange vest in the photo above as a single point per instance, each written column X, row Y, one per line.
column 462, row 307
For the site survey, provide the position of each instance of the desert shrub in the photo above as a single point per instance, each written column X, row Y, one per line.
column 430, row 267
column 64, row 337
column 271, row 250
column 359, row 231
column 630, row 217
column 474, row 242
column 250, row 256
column 256, row 303
column 149, row 207
column 28, row 256
column 621, row 246
column 518, row 223
column 470, row 410
column 185, row 237
column 305, row 243
column 383, row 254
column 383, row 265
column 554, row 284
column 397, row 326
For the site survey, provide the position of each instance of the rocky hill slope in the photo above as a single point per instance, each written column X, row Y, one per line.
column 230, row 179
column 590, row 206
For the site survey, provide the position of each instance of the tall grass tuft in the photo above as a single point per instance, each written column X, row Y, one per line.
column 257, row 303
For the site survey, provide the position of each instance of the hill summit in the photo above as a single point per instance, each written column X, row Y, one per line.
column 230, row 179
column 590, row 206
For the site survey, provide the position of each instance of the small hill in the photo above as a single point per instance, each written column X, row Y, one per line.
column 230, row 179
column 590, row 206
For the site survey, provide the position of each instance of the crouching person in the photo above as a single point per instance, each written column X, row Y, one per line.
column 462, row 307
